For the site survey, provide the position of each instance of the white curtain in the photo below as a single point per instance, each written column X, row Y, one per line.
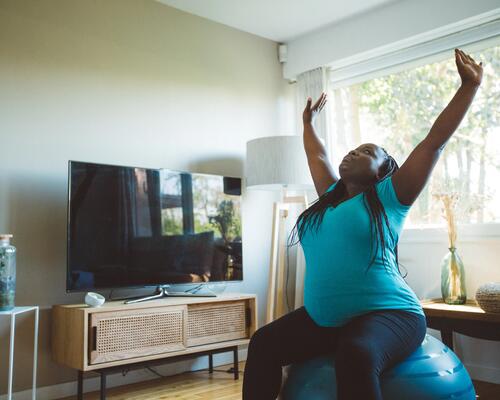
column 312, row 83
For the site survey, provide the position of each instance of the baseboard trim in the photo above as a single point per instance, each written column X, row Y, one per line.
column 482, row 373
column 140, row 375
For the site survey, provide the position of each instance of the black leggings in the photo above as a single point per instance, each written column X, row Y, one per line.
column 364, row 348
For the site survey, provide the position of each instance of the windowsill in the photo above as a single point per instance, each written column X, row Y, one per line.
column 465, row 233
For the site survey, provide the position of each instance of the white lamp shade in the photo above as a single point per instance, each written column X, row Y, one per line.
column 273, row 162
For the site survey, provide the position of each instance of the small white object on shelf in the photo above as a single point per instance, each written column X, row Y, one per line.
column 94, row 299
column 12, row 313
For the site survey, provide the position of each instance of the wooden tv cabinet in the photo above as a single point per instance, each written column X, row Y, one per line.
column 116, row 334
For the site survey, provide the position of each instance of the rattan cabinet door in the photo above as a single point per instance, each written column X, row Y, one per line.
column 212, row 323
column 121, row 335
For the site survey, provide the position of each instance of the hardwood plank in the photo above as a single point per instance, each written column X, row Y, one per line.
column 200, row 385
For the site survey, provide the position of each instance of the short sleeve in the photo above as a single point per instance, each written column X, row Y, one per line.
column 388, row 197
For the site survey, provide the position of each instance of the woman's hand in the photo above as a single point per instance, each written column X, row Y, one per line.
column 310, row 113
column 470, row 72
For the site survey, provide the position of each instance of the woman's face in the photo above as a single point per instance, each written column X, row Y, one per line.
column 362, row 165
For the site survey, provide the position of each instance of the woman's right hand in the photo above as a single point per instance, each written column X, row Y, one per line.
column 310, row 113
column 470, row 72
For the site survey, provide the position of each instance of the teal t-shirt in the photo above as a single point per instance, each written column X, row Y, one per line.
column 336, row 287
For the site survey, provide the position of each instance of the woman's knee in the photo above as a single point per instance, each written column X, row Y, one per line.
column 261, row 341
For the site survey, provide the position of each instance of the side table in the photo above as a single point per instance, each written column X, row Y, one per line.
column 12, row 313
column 468, row 319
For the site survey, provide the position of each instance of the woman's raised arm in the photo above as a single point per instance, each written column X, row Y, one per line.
column 411, row 178
column 319, row 165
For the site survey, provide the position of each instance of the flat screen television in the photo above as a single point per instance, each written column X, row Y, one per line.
column 139, row 227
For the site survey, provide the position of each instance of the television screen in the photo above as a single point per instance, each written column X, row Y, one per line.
column 136, row 227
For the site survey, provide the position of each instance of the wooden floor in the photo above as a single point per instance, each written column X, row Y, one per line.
column 217, row 386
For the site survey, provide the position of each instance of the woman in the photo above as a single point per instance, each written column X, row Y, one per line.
column 356, row 304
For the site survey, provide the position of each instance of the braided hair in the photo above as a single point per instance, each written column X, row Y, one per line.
column 312, row 217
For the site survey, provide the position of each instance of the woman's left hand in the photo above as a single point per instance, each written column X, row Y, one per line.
column 470, row 72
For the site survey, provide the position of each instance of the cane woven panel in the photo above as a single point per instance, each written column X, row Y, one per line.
column 123, row 335
column 216, row 323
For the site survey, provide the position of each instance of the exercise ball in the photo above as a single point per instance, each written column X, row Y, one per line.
column 432, row 372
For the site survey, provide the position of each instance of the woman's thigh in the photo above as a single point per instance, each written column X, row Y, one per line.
column 382, row 338
column 293, row 338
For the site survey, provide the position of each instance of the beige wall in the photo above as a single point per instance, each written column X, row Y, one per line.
column 129, row 82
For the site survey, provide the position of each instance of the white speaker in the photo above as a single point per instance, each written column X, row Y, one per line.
column 94, row 299
column 282, row 53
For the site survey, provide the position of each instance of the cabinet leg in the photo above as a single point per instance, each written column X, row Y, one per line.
column 235, row 363
column 447, row 337
column 103, row 386
column 210, row 363
column 79, row 393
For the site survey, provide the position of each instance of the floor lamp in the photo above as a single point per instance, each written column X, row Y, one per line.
column 279, row 163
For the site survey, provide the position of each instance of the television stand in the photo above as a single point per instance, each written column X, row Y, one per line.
column 164, row 293
column 117, row 336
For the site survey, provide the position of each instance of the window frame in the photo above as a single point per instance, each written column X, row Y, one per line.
column 433, row 47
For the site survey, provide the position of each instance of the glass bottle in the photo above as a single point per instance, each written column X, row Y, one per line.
column 453, row 278
column 7, row 273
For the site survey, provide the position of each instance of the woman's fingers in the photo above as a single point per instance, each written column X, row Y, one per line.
column 467, row 57
column 464, row 60
column 474, row 61
column 459, row 58
column 463, row 57
column 322, row 104
column 319, row 101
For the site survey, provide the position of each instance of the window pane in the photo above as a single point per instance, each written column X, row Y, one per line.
column 397, row 111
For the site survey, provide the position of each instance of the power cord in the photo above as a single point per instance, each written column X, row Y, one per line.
column 155, row 372
column 228, row 371
column 194, row 289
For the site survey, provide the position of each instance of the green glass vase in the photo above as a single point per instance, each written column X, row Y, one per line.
column 453, row 278
column 7, row 273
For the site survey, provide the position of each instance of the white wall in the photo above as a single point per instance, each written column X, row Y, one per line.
column 127, row 82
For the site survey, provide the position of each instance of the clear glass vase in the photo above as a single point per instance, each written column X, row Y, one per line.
column 453, row 278
column 7, row 273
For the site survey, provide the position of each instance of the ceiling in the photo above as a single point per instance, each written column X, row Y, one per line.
column 278, row 20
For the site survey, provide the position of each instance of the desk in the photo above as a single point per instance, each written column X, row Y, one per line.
column 468, row 319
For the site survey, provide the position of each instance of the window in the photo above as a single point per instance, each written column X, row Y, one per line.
column 211, row 208
column 396, row 111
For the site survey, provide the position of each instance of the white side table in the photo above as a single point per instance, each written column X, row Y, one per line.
column 13, row 313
